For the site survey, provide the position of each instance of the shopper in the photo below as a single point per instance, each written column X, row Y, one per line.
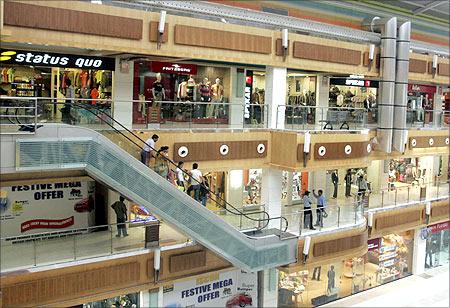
column 149, row 150
column 121, row 216
column 321, row 203
column 66, row 114
column 307, row 219
column 362, row 187
column 180, row 176
column 196, row 181
column 204, row 192
column 331, row 277
column 162, row 162
column 316, row 273
column 335, row 181
column 348, row 183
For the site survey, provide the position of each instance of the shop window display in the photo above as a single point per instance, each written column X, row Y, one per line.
column 126, row 301
column 252, row 187
column 437, row 245
column 420, row 100
column 301, row 91
column 156, row 82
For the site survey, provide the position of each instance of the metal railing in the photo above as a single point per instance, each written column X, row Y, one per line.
column 47, row 248
column 422, row 118
column 18, row 115
column 324, row 118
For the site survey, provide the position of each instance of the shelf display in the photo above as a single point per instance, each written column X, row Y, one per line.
column 140, row 214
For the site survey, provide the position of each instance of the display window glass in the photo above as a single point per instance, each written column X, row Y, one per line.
column 437, row 245
column 197, row 83
column 405, row 171
column 420, row 100
column 216, row 183
column 126, row 301
column 301, row 92
column 252, row 187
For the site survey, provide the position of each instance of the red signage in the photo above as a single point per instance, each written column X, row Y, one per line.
column 46, row 224
column 174, row 68
column 439, row 227
column 373, row 244
column 420, row 88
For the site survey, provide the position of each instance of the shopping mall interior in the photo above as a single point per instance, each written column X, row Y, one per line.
column 224, row 153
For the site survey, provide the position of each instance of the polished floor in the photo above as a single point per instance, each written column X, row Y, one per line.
column 430, row 289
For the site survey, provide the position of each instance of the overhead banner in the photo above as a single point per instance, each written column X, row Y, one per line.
column 229, row 289
column 174, row 68
column 39, row 58
column 38, row 208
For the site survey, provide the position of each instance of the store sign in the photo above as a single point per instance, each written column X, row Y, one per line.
column 228, row 289
column 174, row 68
column 439, row 227
column 354, row 82
column 373, row 244
column 44, row 207
column 248, row 93
column 37, row 58
column 420, row 88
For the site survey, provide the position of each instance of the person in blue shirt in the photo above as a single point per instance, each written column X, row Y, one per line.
column 321, row 203
column 307, row 218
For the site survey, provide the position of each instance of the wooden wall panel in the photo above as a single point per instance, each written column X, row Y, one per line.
column 424, row 142
column 329, row 54
column 204, row 151
column 366, row 59
column 417, row 66
column 153, row 34
column 398, row 218
column 443, row 69
column 337, row 150
column 279, row 47
column 212, row 38
column 187, row 261
column 56, row 19
column 440, row 210
column 338, row 245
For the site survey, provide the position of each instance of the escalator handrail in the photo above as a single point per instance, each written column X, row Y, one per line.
column 238, row 212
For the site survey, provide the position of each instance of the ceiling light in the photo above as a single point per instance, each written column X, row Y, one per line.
column 224, row 20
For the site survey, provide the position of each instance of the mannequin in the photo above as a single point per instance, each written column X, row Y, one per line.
column 142, row 107
column 340, row 100
column 205, row 94
column 158, row 91
column 182, row 90
column 217, row 96
column 190, row 89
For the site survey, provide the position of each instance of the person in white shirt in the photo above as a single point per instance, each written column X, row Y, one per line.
column 180, row 176
column 148, row 151
column 196, row 180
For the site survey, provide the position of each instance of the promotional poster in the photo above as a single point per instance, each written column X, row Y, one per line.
column 229, row 289
column 38, row 208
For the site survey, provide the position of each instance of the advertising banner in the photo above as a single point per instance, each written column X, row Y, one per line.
column 229, row 289
column 38, row 208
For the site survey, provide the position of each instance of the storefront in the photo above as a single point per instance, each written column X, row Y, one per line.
column 354, row 92
column 420, row 103
column 299, row 186
column 437, row 245
column 163, row 92
column 301, row 92
column 220, row 289
column 418, row 170
column 44, row 74
column 252, row 188
column 132, row 300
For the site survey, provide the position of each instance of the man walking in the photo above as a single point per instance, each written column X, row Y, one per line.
column 196, row 181
column 307, row 220
column 320, row 207
column 348, row 183
column 121, row 216
column 148, row 151
column 335, row 181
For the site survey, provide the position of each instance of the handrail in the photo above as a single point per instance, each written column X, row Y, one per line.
column 89, row 108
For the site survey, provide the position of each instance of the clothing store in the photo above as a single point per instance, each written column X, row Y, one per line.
column 180, row 92
column 301, row 94
column 355, row 93
column 56, row 75
column 437, row 244
column 420, row 103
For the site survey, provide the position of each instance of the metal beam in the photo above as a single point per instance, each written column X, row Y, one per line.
column 427, row 7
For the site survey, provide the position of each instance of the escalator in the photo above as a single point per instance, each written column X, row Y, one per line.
column 61, row 146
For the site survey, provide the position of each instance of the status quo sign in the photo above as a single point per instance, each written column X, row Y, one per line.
column 174, row 68
column 37, row 58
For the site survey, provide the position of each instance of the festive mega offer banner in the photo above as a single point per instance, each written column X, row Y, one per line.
column 229, row 289
column 38, row 208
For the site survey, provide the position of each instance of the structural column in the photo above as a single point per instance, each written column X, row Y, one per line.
column 275, row 96
column 271, row 194
column 438, row 117
column 236, row 111
column 123, row 94
column 268, row 288
column 322, row 98
column 420, row 244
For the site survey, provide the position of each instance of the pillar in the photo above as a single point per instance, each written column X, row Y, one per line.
column 235, row 188
column 271, row 194
column 123, row 94
column 290, row 176
column 275, row 95
column 438, row 117
column 418, row 264
column 236, row 110
column 268, row 288
column 322, row 99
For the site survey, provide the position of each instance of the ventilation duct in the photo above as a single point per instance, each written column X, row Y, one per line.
column 388, row 29
column 401, row 87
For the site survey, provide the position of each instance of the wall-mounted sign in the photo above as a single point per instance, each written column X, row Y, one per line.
column 38, row 58
column 174, row 68
column 420, row 88
column 248, row 93
column 355, row 82
column 439, row 227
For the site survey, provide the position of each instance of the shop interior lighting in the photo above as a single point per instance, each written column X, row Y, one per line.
column 96, row 1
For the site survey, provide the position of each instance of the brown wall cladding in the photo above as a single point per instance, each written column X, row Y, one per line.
column 204, row 151
column 211, row 38
column 398, row 219
column 338, row 245
column 428, row 142
column 326, row 53
column 376, row 59
column 417, row 66
column 183, row 262
column 65, row 285
column 440, row 211
column 279, row 49
column 443, row 69
column 337, row 150
column 48, row 18
column 153, row 34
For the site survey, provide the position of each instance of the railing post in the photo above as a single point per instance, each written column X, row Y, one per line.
column 437, row 189
column 240, row 222
column 35, row 252
column 382, row 198
column 408, row 194
column 300, row 224
column 74, row 247
column 339, row 216
column 35, row 114
column 111, row 237
column 395, row 198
